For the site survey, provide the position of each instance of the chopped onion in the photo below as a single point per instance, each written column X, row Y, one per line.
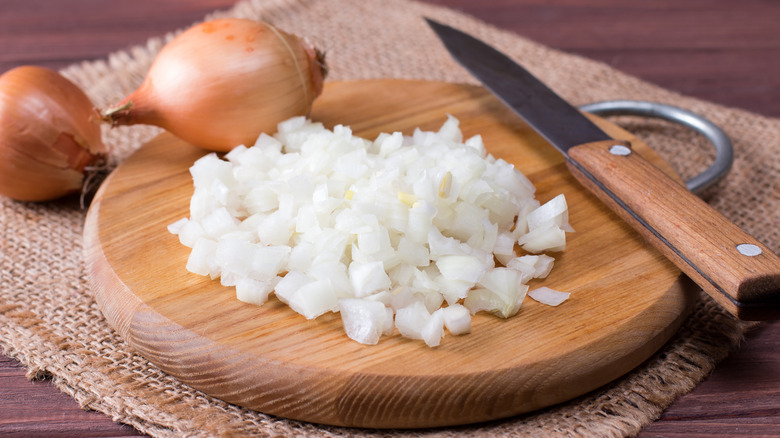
column 553, row 212
column 502, row 292
column 548, row 296
column 368, row 278
column 547, row 225
column 254, row 291
column 535, row 266
column 461, row 267
column 365, row 320
column 314, row 299
column 384, row 232
column 411, row 320
column 456, row 319
column 433, row 330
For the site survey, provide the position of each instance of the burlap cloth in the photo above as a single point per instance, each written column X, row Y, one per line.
column 50, row 322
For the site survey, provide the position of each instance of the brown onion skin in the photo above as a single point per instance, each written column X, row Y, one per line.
column 48, row 135
column 222, row 83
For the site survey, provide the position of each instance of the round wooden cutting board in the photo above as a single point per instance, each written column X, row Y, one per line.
column 626, row 300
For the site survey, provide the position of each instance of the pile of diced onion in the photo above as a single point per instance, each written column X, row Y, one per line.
column 415, row 233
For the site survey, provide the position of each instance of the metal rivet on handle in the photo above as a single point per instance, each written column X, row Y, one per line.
column 748, row 249
column 619, row 149
column 720, row 141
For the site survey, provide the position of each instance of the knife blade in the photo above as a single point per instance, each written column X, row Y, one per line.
column 737, row 270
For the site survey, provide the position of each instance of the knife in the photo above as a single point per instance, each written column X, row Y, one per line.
column 739, row 272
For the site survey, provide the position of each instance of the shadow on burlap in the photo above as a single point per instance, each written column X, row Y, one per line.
column 50, row 322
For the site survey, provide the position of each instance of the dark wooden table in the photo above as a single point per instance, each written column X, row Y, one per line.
column 719, row 50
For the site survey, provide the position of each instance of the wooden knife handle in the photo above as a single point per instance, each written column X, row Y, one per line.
column 739, row 272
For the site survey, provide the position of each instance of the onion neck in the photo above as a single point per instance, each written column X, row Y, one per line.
column 119, row 114
column 136, row 108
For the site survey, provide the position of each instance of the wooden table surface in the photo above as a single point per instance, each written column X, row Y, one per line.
column 723, row 51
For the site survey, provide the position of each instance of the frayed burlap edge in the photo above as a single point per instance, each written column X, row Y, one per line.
column 105, row 376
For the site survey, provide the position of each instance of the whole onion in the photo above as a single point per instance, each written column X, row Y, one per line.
column 224, row 82
column 49, row 135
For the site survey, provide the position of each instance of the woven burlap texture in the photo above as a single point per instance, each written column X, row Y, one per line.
column 50, row 322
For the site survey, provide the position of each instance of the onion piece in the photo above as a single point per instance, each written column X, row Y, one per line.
column 433, row 330
column 550, row 238
column 364, row 320
column 502, row 292
column 368, row 278
column 535, row 266
column 253, row 291
column 411, row 320
column 314, row 299
column 553, row 212
column 465, row 268
column 457, row 319
column 548, row 296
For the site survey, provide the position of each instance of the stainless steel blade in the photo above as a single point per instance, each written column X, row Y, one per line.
column 560, row 123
